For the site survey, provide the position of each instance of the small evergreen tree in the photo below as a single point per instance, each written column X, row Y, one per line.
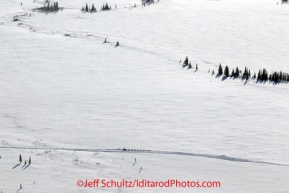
column 245, row 74
column 226, row 71
column 20, row 159
column 237, row 72
column 259, row 76
column 220, row 70
column 190, row 66
column 233, row 73
column 186, row 61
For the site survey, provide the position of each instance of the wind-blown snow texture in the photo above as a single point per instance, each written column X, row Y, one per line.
column 63, row 89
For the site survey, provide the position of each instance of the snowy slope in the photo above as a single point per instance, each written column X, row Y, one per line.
column 243, row 33
column 59, row 170
column 63, row 90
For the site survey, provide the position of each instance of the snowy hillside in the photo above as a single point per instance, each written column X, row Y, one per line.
column 73, row 102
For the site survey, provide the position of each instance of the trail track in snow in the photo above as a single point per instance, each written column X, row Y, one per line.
column 220, row 157
column 147, row 49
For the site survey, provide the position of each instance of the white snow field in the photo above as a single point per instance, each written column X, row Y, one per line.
column 72, row 102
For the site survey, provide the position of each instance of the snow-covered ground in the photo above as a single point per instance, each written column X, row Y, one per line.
column 66, row 95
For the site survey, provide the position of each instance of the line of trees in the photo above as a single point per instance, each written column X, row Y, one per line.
column 187, row 63
column 20, row 160
column 50, row 7
column 263, row 75
column 105, row 7
column 88, row 9
column 147, row 2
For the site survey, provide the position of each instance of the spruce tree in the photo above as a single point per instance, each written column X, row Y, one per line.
column 220, row 70
column 259, row 76
column 20, row 159
column 233, row 73
column 186, row 61
column 86, row 8
column 264, row 75
column 190, row 66
column 197, row 67
column 226, row 71
column 237, row 72
column 245, row 74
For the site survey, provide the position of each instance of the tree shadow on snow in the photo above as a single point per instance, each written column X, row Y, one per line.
column 16, row 166
column 26, row 167
column 185, row 65
column 224, row 78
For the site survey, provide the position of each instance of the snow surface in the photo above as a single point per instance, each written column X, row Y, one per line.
column 66, row 95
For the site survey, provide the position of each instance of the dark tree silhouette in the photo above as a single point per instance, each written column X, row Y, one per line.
column 233, row 73
column 226, row 71
column 220, row 70
column 190, row 66
column 186, row 61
